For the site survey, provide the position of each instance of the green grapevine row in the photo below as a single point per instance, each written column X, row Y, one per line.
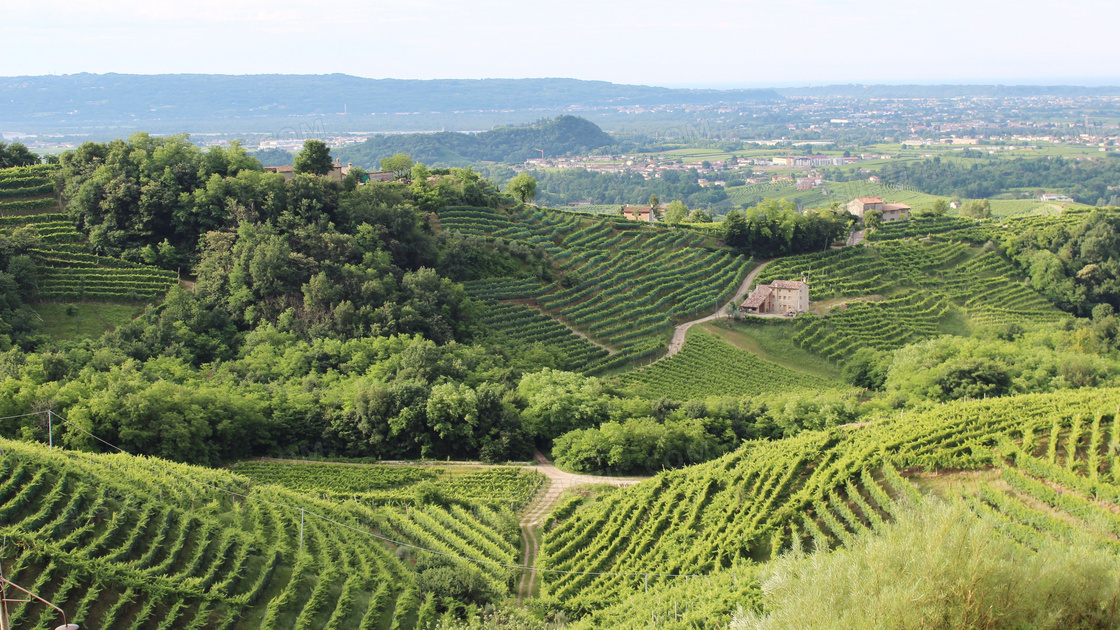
column 708, row 367
column 126, row 542
column 821, row 488
column 625, row 283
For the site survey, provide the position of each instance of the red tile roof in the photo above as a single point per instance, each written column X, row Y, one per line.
column 869, row 199
column 757, row 297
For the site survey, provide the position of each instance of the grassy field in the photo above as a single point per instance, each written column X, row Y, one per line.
column 694, row 155
column 64, row 321
column 773, row 341
column 837, row 192
column 1017, row 207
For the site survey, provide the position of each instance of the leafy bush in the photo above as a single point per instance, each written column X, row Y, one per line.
column 938, row 566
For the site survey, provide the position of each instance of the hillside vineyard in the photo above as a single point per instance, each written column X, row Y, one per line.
column 235, row 399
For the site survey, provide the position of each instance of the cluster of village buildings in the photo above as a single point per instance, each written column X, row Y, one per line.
column 648, row 167
column 654, row 166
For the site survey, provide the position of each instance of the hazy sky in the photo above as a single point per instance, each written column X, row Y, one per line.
column 709, row 42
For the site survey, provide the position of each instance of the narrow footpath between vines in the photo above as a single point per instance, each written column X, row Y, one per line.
column 558, row 482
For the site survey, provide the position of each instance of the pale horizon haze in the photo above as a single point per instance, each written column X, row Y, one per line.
column 703, row 44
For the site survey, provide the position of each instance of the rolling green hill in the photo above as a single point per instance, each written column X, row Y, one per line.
column 1042, row 454
column 126, row 542
column 66, row 269
column 916, row 378
column 897, row 289
column 512, row 145
column 623, row 283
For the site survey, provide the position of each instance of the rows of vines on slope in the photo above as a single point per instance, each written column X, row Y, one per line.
column 159, row 541
column 624, row 283
column 923, row 282
column 820, row 487
column 67, row 269
column 513, row 324
column 708, row 367
column 373, row 484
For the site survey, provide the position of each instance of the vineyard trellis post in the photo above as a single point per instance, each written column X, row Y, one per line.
column 50, row 430
column 302, row 515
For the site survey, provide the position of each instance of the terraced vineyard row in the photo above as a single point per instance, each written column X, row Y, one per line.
column 707, row 367
column 67, row 270
column 996, row 299
column 856, row 271
column 494, row 289
column 121, row 542
column 625, row 283
column 972, row 230
column 372, row 484
column 27, row 190
column 925, row 281
column 824, row 487
column 513, row 324
column 883, row 325
column 1059, row 483
column 921, row 227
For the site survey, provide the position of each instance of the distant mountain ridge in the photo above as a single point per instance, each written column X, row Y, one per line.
column 565, row 134
column 132, row 98
column 946, row 91
column 290, row 106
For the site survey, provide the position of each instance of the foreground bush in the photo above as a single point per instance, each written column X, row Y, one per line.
column 939, row 566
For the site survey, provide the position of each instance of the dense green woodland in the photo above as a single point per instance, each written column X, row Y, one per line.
column 564, row 135
column 279, row 269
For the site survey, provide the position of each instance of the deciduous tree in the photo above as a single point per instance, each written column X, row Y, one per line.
column 872, row 219
column 677, row 212
column 400, row 164
column 314, row 159
column 524, row 187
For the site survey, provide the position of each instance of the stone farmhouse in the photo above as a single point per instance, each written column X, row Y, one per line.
column 891, row 211
column 784, row 297
column 640, row 213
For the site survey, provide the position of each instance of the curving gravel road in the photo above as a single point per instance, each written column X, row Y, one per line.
column 681, row 331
